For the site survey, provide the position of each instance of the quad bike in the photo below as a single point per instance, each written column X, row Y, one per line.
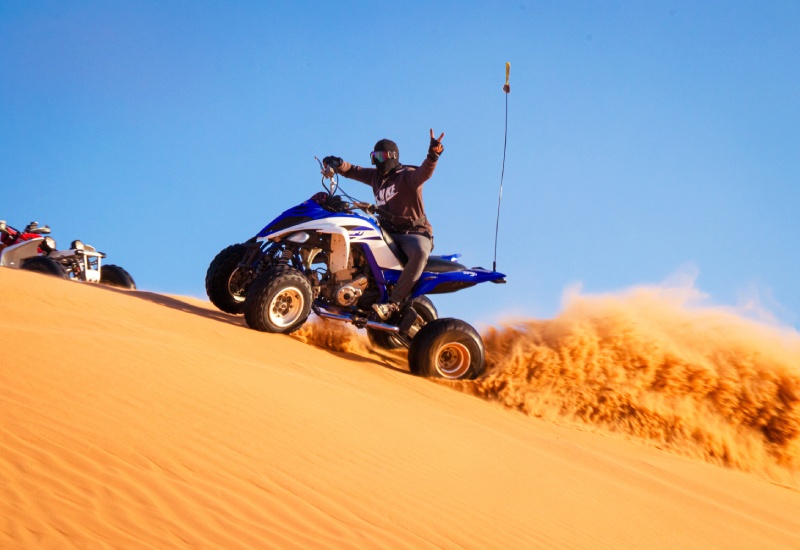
column 33, row 249
column 322, row 257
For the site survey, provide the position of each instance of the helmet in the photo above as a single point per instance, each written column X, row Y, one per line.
column 386, row 156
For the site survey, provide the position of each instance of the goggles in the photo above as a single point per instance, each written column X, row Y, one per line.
column 382, row 156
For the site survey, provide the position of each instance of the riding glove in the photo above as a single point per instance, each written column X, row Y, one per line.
column 333, row 162
column 435, row 149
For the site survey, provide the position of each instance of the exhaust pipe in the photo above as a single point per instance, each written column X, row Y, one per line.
column 369, row 324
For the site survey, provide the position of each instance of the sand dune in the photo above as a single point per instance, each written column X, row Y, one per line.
column 136, row 420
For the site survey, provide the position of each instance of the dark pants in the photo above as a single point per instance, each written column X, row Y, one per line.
column 417, row 248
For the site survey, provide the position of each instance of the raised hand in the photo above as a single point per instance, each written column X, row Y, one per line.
column 435, row 149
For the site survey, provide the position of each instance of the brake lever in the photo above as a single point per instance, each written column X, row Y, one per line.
column 326, row 171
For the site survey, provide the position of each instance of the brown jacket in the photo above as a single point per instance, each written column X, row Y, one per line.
column 398, row 195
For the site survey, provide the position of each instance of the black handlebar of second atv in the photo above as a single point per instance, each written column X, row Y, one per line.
column 35, row 228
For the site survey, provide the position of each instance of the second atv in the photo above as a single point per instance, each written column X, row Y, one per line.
column 32, row 249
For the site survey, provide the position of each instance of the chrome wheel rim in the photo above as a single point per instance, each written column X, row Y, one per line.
column 286, row 307
column 452, row 360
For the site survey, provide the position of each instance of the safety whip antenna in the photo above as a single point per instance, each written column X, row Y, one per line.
column 507, row 90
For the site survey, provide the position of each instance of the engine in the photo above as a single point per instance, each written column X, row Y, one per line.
column 350, row 287
column 348, row 294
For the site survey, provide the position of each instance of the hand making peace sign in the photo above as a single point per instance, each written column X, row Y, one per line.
column 436, row 146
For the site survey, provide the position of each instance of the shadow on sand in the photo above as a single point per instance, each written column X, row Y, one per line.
column 180, row 305
column 383, row 359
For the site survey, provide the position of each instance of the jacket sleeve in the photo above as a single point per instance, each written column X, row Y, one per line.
column 424, row 172
column 353, row 172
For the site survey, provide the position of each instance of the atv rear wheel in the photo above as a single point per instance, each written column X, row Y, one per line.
column 390, row 340
column 44, row 264
column 279, row 301
column 226, row 282
column 114, row 275
column 447, row 348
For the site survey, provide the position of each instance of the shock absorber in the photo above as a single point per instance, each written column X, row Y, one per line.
column 269, row 260
column 286, row 255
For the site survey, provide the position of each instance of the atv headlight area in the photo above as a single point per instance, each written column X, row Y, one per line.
column 77, row 245
column 48, row 245
column 300, row 237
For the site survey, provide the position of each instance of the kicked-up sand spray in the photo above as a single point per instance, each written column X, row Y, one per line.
column 700, row 381
column 647, row 363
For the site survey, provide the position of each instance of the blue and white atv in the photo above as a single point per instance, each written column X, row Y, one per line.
column 322, row 256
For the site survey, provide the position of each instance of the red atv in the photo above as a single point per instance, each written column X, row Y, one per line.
column 33, row 249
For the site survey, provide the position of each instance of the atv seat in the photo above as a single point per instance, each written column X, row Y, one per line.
column 435, row 264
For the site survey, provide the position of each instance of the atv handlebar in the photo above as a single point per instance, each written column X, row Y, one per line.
column 33, row 227
column 330, row 174
column 365, row 206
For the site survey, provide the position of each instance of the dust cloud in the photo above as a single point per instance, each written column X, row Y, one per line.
column 345, row 338
column 333, row 336
column 648, row 363
column 700, row 381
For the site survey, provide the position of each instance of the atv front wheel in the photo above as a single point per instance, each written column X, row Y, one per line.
column 226, row 282
column 279, row 301
column 390, row 340
column 44, row 264
column 447, row 348
column 114, row 275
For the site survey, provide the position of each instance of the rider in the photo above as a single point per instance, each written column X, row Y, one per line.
column 398, row 196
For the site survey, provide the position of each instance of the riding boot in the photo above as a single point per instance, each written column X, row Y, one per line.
column 386, row 310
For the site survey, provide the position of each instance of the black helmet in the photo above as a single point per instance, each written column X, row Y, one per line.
column 386, row 156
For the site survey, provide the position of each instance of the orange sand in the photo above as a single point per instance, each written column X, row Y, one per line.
column 136, row 420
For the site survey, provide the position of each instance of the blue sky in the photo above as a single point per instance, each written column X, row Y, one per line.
column 645, row 139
